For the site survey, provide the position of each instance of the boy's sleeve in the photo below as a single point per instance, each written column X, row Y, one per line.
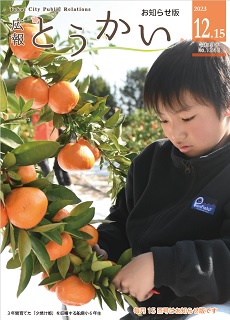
column 199, row 268
column 112, row 236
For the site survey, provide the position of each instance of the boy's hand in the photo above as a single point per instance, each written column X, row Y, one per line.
column 100, row 251
column 137, row 277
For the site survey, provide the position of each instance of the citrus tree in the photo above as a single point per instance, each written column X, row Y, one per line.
column 140, row 129
column 41, row 234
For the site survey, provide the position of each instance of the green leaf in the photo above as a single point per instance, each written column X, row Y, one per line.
column 85, row 235
column 50, row 176
column 12, row 239
column 45, row 225
column 86, row 276
column 99, row 298
column 106, row 147
column 24, row 245
column 13, row 102
column 27, row 105
column 35, row 151
column 3, row 97
column 10, row 85
column 104, row 291
column 58, row 120
column 111, row 122
column 41, row 253
column 85, row 109
column 63, row 264
column 6, row 238
column 10, row 138
column 73, row 232
column 53, row 235
column 14, row 263
column 21, row 103
column 114, row 139
column 64, row 138
column 29, row 113
column 117, row 295
column 48, row 227
column 104, row 110
column 82, row 248
column 58, row 192
column 49, row 230
column 5, row 189
column 99, row 265
column 74, row 259
column 39, row 183
column 80, row 208
column 94, row 257
column 131, row 301
column 56, row 205
column 110, row 272
column 88, row 97
column 77, row 222
column 122, row 160
column 46, row 115
column 13, row 175
column 46, row 59
column 105, row 281
column 100, row 104
column 4, row 34
column 69, row 70
column 37, row 266
column 110, row 300
column 117, row 130
column 23, row 5
column 26, row 273
column 85, row 85
column 9, row 160
column 52, row 279
column 125, row 258
column 47, row 17
column 98, row 275
column 5, row 5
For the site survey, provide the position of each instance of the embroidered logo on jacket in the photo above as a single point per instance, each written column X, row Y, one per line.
column 206, row 205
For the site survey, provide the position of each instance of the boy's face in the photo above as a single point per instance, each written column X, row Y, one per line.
column 196, row 130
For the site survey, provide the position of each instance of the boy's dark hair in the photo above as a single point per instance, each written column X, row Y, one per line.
column 176, row 71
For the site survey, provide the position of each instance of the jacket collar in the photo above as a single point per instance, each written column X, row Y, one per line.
column 218, row 157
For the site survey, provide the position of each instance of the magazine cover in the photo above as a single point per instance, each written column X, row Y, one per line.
column 86, row 91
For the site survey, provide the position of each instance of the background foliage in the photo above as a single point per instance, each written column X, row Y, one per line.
column 140, row 129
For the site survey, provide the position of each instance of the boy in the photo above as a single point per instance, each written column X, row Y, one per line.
column 175, row 209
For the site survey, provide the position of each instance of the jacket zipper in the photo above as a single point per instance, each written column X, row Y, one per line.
column 187, row 165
